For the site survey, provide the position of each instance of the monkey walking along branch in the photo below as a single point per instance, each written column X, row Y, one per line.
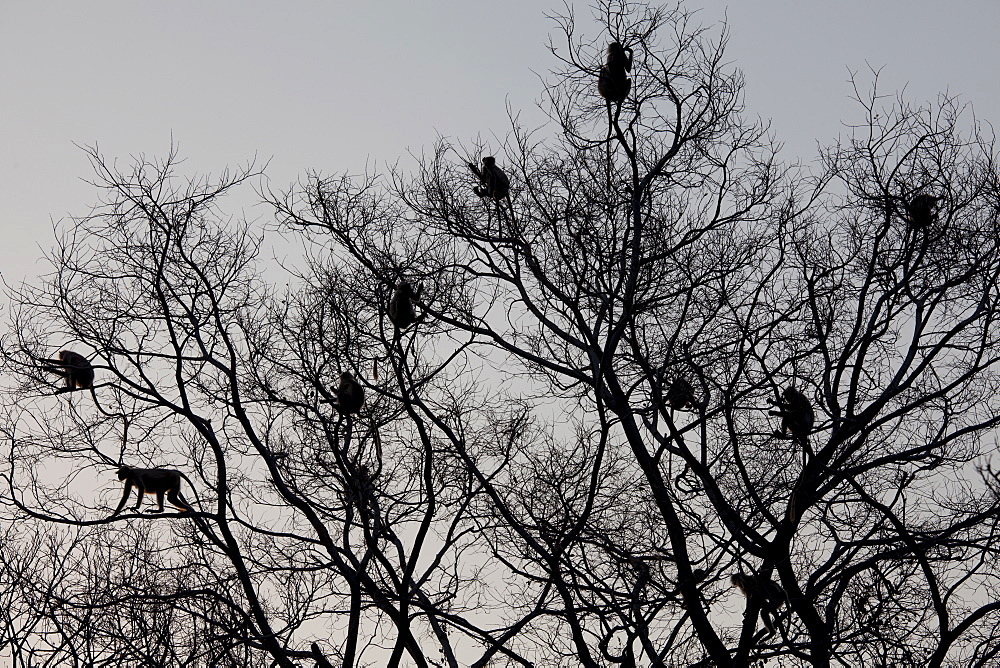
column 152, row 481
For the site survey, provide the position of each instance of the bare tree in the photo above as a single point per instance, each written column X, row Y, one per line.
column 663, row 365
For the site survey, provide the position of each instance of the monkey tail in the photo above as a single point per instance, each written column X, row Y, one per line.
column 194, row 490
column 510, row 207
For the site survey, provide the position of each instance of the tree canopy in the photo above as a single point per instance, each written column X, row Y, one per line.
column 669, row 401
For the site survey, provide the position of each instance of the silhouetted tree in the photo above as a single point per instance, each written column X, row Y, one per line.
column 516, row 489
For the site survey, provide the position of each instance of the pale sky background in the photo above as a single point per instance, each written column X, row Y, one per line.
column 334, row 86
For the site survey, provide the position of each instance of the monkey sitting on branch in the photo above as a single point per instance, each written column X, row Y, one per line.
column 921, row 211
column 401, row 312
column 74, row 368
column 152, row 481
column 763, row 591
column 680, row 395
column 796, row 413
column 613, row 82
column 349, row 394
column 495, row 183
column 319, row 657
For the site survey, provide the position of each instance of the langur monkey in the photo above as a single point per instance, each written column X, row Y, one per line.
column 152, row 481
column 401, row 311
column 921, row 211
column 495, row 182
column 680, row 395
column 797, row 417
column 613, row 82
column 75, row 368
column 764, row 591
column 350, row 394
column 319, row 657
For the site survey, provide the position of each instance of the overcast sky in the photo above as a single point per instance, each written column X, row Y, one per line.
column 334, row 86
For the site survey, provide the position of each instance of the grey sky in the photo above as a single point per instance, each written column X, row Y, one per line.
column 335, row 85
